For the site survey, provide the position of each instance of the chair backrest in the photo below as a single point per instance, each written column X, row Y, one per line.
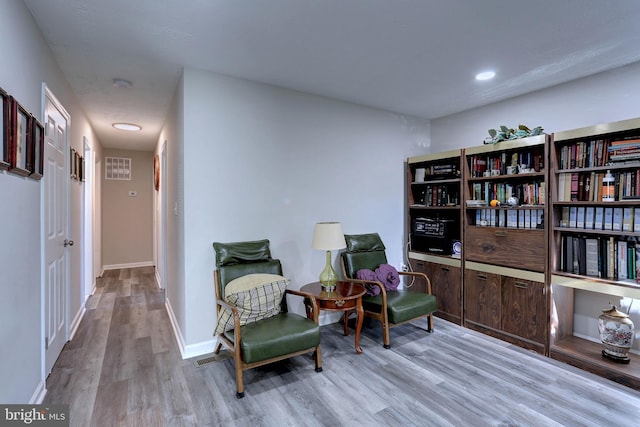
column 364, row 251
column 238, row 259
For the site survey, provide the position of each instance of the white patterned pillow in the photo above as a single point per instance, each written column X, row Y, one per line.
column 259, row 301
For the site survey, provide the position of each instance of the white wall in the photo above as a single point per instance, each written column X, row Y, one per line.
column 603, row 98
column 606, row 97
column 264, row 162
column 26, row 63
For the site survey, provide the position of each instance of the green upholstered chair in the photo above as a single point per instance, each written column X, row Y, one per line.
column 268, row 340
column 390, row 307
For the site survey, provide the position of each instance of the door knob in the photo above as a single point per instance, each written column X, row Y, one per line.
column 68, row 242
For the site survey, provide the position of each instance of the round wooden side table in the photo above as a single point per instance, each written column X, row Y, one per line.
column 346, row 297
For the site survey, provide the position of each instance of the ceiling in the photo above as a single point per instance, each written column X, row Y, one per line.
column 416, row 57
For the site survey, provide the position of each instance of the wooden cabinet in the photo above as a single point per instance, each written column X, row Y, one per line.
column 594, row 243
column 506, row 303
column 446, row 283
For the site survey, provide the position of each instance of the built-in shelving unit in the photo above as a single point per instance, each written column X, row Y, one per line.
column 593, row 242
column 434, row 222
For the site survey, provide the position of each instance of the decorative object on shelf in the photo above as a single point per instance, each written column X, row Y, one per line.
column 506, row 133
column 608, row 187
column 328, row 236
column 616, row 332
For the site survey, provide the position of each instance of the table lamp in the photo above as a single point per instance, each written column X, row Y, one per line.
column 328, row 236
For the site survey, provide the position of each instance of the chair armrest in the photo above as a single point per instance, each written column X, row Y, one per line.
column 307, row 296
column 420, row 276
column 236, row 316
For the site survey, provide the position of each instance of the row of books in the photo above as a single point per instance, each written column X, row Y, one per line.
column 603, row 257
column 587, row 186
column 531, row 160
column 601, row 218
column 440, row 195
column 584, row 154
column 431, row 172
column 511, row 218
column 624, row 150
column 529, row 193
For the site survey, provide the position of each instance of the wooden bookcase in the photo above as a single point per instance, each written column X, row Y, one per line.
column 505, row 246
column 434, row 184
column 584, row 235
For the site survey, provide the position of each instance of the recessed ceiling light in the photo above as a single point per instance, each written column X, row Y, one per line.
column 124, row 83
column 485, row 75
column 127, row 126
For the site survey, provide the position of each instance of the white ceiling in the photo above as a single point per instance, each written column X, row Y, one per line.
column 415, row 57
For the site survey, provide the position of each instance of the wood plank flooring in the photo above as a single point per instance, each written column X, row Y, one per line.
column 123, row 368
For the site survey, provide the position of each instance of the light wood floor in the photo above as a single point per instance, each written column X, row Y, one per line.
column 123, row 368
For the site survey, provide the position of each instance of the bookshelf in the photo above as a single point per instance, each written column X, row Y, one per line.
column 593, row 243
column 434, row 183
column 505, row 243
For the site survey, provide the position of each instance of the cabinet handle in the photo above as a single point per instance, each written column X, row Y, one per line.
column 482, row 277
column 521, row 285
column 445, row 269
column 501, row 234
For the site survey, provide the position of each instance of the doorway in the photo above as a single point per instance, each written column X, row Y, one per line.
column 88, row 231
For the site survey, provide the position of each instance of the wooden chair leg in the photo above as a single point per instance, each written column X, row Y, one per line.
column 218, row 347
column 239, row 380
column 318, row 357
column 386, row 339
column 430, row 322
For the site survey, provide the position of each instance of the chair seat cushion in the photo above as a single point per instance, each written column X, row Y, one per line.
column 276, row 336
column 402, row 305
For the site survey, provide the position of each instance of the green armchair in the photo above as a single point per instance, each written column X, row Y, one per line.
column 390, row 307
column 258, row 338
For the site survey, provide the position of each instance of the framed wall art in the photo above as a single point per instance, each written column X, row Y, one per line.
column 5, row 122
column 21, row 142
column 37, row 136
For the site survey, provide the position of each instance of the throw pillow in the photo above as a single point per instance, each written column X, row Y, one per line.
column 255, row 303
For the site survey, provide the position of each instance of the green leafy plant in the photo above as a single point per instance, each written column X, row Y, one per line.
column 505, row 133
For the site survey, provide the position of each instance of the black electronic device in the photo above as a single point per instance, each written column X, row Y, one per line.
column 433, row 235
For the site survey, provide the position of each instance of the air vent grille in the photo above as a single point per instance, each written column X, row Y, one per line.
column 117, row 168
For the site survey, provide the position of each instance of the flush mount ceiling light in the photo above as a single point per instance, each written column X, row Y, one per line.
column 485, row 75
column 127, row 126
column 123, row 83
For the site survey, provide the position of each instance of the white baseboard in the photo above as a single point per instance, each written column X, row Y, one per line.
column 76, row 322
column 187, row 351
column 128, row 265
column 39, row 394
column 157, row 276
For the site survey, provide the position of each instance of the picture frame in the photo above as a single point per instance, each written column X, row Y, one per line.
column 5, row 123
column 37, row 132
column 20, row 140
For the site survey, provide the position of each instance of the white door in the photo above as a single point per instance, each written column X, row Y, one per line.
column 87, row 222
column 56, row 223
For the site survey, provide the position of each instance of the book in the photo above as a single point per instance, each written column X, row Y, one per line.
column 573, row 216
column 589, row 214
column 591, row 250
column 561, row 184
column 564, row 220
column 636, row 221
column 622, row 260
column 598, row 218
column 607, row 222
column 580, row 217
column 616, row 223
column 627, row 219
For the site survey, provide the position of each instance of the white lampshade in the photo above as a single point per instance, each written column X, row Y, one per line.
column 328, row 236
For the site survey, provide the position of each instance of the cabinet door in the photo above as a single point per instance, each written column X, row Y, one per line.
column 446, row 286
column 524, row 308
column 482, row 298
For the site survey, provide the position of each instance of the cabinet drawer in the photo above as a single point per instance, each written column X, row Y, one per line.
column 509, row 247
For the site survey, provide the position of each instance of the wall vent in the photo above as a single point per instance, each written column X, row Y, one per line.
column 117, row 168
